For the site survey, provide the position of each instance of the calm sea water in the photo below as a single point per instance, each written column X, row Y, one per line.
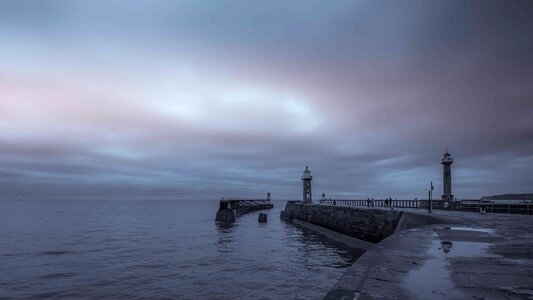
column 138, row 249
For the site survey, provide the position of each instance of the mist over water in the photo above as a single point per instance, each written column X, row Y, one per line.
column 159, row 249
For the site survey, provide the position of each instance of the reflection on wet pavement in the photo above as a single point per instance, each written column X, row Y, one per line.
column 468, row 249
column 432, row 280
column 462, row 228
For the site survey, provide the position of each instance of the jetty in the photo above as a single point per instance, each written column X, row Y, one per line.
column 411, row 253
column 232, row 208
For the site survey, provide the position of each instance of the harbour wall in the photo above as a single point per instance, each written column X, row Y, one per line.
column 356, row 226
column 365, row 224
column 231, row 210
column 369, row 225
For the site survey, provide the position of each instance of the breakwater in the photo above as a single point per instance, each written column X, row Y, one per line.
column 412, row 254
column 370, row 225
column 232, row 208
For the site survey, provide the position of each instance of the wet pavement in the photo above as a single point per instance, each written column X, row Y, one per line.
column 469, row 256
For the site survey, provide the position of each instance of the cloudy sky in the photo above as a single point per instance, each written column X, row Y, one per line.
column 202, row 99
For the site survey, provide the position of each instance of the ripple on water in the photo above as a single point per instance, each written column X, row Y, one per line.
column 56, row 252
column 152, row 249
column 58, row 275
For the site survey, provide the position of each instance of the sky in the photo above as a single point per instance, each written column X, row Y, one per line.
column 205, row 99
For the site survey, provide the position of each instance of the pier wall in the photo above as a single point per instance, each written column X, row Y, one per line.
column 366, row 224
column 229, row 214
column 370, row 225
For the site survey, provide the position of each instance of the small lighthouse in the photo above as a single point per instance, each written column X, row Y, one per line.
column 306, row 178
column 447, row 161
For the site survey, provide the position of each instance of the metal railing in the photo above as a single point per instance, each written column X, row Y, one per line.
column 525, row 209
column 242, row 199
column 231, row 203
column 374, row 203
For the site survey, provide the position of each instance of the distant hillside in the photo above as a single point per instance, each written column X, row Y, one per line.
column 509, row 197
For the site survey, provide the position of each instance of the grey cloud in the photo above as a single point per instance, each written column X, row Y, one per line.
column 396, row 82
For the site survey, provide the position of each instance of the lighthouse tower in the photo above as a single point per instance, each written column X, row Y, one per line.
column 447, row 161
column 306, row 177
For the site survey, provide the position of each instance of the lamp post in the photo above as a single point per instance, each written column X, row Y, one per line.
column 430, row 192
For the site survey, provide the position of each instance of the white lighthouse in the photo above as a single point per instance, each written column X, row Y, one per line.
column 306, row 178
column 447, row 161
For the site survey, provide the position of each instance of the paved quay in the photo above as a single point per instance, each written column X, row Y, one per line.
column 468, row 256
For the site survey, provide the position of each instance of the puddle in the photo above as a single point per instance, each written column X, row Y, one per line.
column 459, row 228
column 466, row 249
column 433, row 280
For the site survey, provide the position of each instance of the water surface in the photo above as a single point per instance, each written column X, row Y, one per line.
column 159, row 249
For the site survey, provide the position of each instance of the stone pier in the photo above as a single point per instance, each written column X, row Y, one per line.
column 415, row 255
column 369, row 225
column 232, row 208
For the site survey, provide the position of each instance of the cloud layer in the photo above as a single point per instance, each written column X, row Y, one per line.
column 164, row 99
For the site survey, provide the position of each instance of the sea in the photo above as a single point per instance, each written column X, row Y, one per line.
column 160, row 249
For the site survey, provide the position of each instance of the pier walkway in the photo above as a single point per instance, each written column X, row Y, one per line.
column 469, row 256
